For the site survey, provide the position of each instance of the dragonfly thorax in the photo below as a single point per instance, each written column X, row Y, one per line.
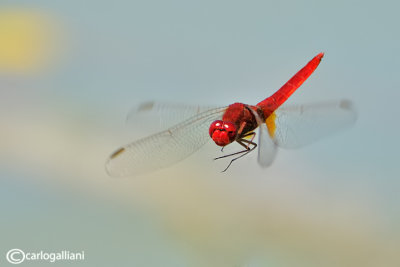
column 223, row 133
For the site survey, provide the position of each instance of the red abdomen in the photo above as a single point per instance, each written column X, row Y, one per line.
column 270, row 104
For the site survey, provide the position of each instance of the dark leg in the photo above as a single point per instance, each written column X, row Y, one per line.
column 246, row 146
column 253, row 134
column 244, row 143
column 245, row 152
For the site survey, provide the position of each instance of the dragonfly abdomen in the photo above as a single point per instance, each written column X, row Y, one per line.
column 270, row 104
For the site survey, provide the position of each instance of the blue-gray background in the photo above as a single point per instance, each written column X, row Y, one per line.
column 66, row 91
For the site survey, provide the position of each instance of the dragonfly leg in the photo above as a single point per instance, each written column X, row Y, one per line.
column 244, row 152
column 240, row 141
column 244, row 143
column 252, row 134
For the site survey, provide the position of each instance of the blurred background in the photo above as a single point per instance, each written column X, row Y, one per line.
column 70, row 71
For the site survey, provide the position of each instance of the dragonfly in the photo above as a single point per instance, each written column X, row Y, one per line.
column 283, row 126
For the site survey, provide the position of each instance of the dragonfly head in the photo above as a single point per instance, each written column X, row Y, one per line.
column 223, row 133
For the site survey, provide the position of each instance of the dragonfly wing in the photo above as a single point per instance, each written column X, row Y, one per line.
column 167, row 114
column 165, row 148
column 266, row 146
column 296, row 126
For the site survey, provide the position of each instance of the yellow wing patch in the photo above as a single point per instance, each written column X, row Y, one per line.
column 270, row 121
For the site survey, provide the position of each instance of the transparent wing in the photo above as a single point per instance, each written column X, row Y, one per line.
column 266, row 146
column 165, row 148
column 167, row 114
column 296, row 126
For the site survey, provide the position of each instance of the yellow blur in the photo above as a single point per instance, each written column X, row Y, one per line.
column 25, row 40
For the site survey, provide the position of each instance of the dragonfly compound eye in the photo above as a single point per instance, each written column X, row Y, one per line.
column 216, row 125
column 223, row 133
column 230, row 128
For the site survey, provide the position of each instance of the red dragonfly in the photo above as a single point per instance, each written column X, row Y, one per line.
column 286, row 127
